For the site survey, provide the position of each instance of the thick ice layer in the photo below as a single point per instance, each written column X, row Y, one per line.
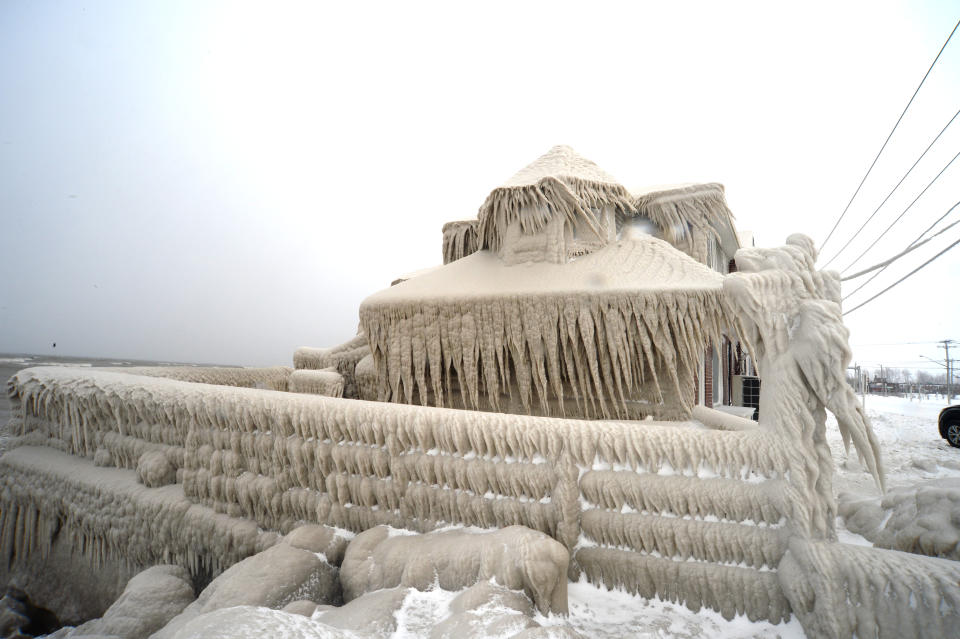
column 273, row 378
column 923, row 519
column 282, row 458
column 559, row 183
column 326, row 382
column 342, row 358
column 460, row 239
column 789, row 315
column 107, row 514
column 727, row 589
column 846, row 591
column 515, row 557
column 614, row 333
column 688, row 215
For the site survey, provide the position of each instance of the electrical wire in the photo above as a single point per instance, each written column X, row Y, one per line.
column 902, row 278
column 885, row 264
column 917, row 239
column 899, row 217
column 847, row 208
column 892, row 191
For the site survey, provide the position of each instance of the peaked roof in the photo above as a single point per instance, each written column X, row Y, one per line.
column 563, row 163
column 560, row 182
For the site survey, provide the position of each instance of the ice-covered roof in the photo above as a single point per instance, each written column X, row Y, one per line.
column 560, row 162
column 681, row 208
column 636, row 266
column 560, row 182
column 631, row 311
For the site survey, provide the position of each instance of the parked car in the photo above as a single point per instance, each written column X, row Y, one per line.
column 949, row 422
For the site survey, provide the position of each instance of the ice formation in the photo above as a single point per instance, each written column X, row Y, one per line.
column 274, row 378
column 343, row 359
column 455, row 559
column 322, row 382
column 149, row 601
column 460, row 239
column 616, row 333
column 686, row 214
column 846, row 591
column 567, row 331
column 560, row 185
column 789, row 315
column 922, row 519
column 279, row 458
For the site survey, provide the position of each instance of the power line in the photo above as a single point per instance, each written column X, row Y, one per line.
column 902, row 278
column 913, row 247
column 892, row 191
column 904, row 212
column 874, row 276
column 888, row 137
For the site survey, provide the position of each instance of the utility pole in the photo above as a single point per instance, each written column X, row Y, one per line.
column 945, row 345
column 863, row 395
column 883, row 382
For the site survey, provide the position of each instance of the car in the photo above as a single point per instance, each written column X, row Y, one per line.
column 949, row 422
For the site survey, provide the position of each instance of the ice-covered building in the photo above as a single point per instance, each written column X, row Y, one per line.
column 561, row 299
column 568, row 311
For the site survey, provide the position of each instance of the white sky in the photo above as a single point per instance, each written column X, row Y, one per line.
column 224, row 182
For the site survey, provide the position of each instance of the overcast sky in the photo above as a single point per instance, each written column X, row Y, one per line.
column 224, row 182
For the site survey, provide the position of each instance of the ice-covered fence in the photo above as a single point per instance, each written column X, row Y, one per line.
column 271, row 378
column 684, row 512
column 342, row 358
column 326, row 382
column 105, row 514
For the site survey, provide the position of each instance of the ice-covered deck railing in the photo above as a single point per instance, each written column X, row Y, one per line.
column 626, row 322
column 279, row 458
column 272, row 378
column 105, row 514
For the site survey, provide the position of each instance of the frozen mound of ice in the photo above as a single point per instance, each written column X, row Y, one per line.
column 922, row 519
column 150, row 600
column 273, row 578
column 842, row 591
column 154, row 469
column 516, row 557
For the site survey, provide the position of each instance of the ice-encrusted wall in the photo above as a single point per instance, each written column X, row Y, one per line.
column 689, row 513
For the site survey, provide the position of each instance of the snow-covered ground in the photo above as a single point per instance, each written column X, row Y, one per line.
column 912, row 448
